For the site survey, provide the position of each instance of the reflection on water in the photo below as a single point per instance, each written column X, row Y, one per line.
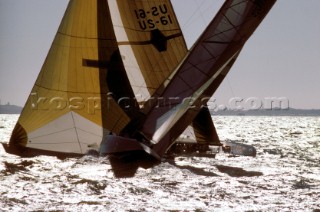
column 285, row 175
column 126, row 165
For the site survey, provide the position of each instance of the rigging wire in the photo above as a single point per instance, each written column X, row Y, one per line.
column 193, row 15
column 200, row 16
column 206, row 23
column 229, row 85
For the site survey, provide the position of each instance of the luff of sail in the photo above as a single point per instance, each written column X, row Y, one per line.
column 70, row 107
column 200, row 74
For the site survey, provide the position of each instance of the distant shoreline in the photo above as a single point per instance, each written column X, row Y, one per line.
column 264, row 112
column 14, row 109
column 10, row 109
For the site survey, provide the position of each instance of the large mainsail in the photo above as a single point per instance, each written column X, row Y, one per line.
column 91, row 70
column 65, row 111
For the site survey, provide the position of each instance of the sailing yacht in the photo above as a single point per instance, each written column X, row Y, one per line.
column 119, row 78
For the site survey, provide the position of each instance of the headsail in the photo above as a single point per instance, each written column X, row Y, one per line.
column 201, row 73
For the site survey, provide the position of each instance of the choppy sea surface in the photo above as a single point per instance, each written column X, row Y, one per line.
column 284, row 176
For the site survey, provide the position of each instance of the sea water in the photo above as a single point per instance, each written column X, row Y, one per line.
column 284, row 176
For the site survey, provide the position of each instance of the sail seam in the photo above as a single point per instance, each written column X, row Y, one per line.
column 229, row 21
column 88, row 132
column 195, row 65
column 234, row 5
column 234, row 10
column 63, row 131
column 75, row 128
column 52, row 133
column 33, row 144
column 89, row 38
column 70, row 91
column 165, row 30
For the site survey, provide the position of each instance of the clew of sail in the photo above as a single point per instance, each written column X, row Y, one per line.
column 183, row 94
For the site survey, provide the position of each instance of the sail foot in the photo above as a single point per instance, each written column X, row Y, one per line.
column 23, row 151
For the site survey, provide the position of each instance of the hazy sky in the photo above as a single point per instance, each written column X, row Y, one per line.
column 282, row 58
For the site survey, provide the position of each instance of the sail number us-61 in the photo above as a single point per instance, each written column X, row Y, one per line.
column 148, row 19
